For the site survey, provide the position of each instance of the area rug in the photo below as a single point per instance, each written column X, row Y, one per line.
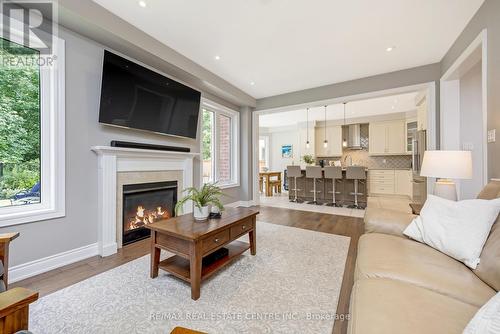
column 292, row 285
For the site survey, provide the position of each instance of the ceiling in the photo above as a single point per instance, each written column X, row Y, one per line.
column 270, row 47
column 356, row 109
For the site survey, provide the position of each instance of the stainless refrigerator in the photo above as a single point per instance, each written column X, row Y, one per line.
column 419, row 183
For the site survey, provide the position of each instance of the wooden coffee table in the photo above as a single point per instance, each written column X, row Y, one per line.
column 191, row 240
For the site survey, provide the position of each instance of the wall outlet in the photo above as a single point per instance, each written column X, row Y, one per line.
column 492, row 136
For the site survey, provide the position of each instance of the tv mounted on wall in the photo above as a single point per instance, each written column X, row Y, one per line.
column 133, row 96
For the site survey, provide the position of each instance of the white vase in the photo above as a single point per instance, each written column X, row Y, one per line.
column 200, row 214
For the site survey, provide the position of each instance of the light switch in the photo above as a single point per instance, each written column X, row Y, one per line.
column 492, row 136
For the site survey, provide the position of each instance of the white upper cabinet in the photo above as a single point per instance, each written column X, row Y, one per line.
column 377, row 138
column 387, row 138
column 396, row 137
column 334, row 138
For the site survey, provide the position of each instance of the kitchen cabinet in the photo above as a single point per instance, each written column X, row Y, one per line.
column 334, row 137
column 390, row 182
column 387, row 138
column 381, row 181
column 402, row 182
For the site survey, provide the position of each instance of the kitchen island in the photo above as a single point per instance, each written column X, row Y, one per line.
column 343, row 187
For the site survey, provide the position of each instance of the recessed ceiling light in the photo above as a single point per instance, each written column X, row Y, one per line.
column 252, row 83
column 393, row 107
column 142, row 4
column 390, row 48
column 217, row 57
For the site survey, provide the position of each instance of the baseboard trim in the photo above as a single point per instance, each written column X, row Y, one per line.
column 244, row 204
column 36, row 267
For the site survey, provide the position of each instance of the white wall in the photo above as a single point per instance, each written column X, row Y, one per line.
column 277, row 138
column 471, row 128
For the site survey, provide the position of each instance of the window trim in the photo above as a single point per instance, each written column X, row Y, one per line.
column 52, row 143
column 234, row 116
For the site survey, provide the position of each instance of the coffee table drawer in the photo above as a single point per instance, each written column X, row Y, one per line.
column 214, row 241
column 240, row 229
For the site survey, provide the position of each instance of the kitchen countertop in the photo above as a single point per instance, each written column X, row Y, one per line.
column 387, row 168
column 343, row 168
column 369, row 169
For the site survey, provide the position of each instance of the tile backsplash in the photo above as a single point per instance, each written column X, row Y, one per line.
column 362, row 158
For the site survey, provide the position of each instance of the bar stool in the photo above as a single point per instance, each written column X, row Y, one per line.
column 314, row 172
column 356, row 173
column 334, row 173
column 295, row 172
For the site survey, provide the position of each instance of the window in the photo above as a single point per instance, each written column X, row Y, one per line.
column 31, row 132
column 208, row 146
column 19, row 127
column 220, row 145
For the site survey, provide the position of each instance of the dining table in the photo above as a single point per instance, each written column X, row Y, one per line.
column 266, row 177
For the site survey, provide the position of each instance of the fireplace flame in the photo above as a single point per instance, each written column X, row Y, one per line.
column 144, row 216
column 159, row 211
column 140, row 211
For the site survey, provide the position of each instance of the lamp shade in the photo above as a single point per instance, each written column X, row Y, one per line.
column 447, row 164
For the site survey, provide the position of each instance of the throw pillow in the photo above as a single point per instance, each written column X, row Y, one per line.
column 487, row 319
column 457, row 229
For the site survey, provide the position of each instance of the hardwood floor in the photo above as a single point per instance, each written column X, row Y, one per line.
column 352, row 227
column 347, row 226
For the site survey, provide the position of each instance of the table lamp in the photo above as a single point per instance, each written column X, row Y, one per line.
column 446, row 166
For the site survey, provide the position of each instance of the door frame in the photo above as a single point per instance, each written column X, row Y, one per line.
column 429, row 87
column 450, row 97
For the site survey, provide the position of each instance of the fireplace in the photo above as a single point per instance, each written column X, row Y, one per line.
column 146, row 203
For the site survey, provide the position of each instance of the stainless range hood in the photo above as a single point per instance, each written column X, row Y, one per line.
column 353, row 137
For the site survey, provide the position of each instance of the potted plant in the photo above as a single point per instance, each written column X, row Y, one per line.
column 209, row 194
column 308, row 159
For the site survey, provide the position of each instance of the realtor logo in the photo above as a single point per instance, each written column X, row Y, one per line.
column 30, row 23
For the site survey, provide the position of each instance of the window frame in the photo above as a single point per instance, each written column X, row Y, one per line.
column 52, row 143
column 234, row 117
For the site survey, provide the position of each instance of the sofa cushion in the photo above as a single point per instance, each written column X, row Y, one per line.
column 457, row 228
column 381, row 306
column 385, row 256
column 489, row 269
column 490, row 191
column 378, row 220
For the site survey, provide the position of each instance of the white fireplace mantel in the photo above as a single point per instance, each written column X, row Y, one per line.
column 113, row 160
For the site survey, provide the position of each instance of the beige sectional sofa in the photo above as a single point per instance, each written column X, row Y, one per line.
column 402, row 286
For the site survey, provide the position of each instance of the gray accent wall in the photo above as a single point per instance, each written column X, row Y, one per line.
column 487, row 17
column 79, row 227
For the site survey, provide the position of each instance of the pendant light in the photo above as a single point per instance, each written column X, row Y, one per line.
column 325, row 142
column 344, row 142
column 307, row 124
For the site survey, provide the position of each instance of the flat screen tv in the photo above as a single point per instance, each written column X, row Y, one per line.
column 133, row 96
